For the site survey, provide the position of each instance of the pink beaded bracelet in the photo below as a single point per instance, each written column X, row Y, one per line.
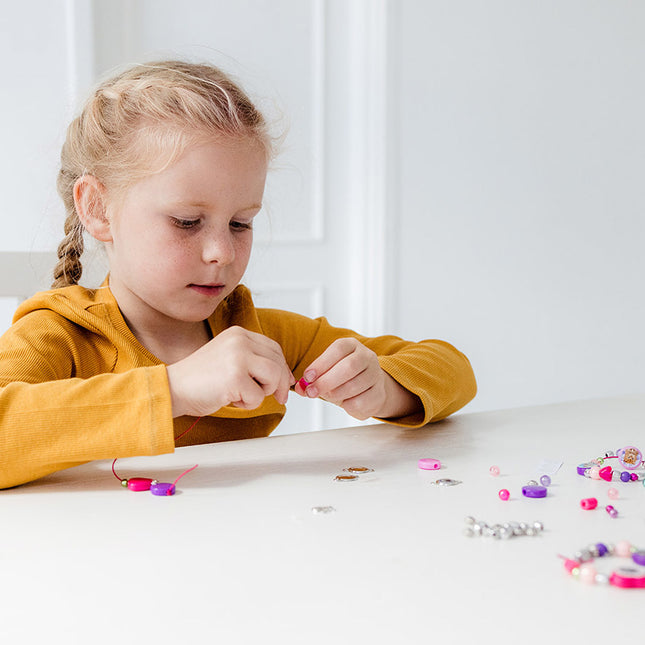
column 630, row 458
column 633, row 576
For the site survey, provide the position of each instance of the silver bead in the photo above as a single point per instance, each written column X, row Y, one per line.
column 505, row 533
column 611, row 549
column 602, row 579
column 531, row 531
column 593, row 549
column 538, row 526
column 532, row 482
column 609, row 453
column 519, row 531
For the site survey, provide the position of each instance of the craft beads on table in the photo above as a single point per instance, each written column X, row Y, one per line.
column 477, row 528
column 581, row 565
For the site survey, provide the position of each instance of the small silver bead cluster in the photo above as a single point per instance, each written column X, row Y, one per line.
column 477, row 528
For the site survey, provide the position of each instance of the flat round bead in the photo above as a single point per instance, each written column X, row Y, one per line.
column 639, row 557
column 504, row 494
column 162, row 489
column 530, row 490
column 494, row 471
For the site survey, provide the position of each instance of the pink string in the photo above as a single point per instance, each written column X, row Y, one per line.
column 184, row 473
column 189, row 429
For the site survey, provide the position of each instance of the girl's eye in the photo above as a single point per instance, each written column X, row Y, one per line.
column 241, row 226
column 184, row 223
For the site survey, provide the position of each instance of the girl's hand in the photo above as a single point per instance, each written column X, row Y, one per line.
column 238, row 367
column 348, row 374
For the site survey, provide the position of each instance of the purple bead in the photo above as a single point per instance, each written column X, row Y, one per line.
column 602, row 549
column 639, row 557
column 625, row 476
column 531, row 490
column 162, row 489
column 611, row 510
column 545, row 480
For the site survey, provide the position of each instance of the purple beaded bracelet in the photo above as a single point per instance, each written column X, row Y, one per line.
column 629, row 457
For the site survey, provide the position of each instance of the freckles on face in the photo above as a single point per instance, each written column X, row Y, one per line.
column 189, row 224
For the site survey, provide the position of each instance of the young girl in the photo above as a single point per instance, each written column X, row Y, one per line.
column 166, row 165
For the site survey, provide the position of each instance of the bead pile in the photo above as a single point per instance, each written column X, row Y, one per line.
column 633, row 576
column 477, row 528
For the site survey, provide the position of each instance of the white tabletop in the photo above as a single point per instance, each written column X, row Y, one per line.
column 238, row 556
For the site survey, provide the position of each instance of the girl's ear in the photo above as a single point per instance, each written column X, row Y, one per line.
column 90, row 202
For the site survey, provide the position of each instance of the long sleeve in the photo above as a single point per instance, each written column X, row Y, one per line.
column 435, row 371
column 61, row 405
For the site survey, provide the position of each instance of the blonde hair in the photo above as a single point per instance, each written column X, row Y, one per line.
column 137, row 123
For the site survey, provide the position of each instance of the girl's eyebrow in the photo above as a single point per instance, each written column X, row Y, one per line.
column 206, row 206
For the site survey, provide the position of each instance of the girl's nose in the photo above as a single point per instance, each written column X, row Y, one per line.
column 218, row 248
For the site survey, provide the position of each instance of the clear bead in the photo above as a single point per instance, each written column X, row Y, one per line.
column 538, row 526
column 545, row 480
column 470, row 520
column 468, row 532
column 602, row 579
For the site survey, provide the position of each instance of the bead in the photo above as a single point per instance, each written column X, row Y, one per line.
column 538, row 526
column 494, row 471
column 531, row 490
column 626, row 578
column 469, row 520
column 358, row 470
column 589, row 503
column 634, row 477
column 139, row 483
column 625, row 476
column 639, row 557
column 124, row 483
column 162, row 489
column 609, row 453
column 630, row 457
column 594, row 472
column 532, row 482
column 570, row 565
column 623, row 549
column 602, row 579
column 545, row 480
column 504, row 494
column 468, row 532
column 613, row 493
column 588, row 574
column 613, row 513
column 429, row 464
column 602, row 549
column 605, row 473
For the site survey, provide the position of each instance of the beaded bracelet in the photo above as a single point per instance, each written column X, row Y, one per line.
column 629, row 457
column 580, row 566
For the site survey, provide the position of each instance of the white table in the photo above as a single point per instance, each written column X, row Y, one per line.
column 237, row 556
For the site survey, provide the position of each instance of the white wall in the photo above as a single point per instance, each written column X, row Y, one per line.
column 457, row 169
column 522, row 161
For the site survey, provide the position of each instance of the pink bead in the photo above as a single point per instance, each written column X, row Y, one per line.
column 426, row 463
column 570, row 565
column 594, row 472
column 494, row 471
column 588, row 574
column 504, row 494
column 634, row 477
column 589, row 503
column 623, row 549
column 612, row 493
column 138, row 484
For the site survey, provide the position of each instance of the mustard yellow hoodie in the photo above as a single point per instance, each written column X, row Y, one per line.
column 76, row 385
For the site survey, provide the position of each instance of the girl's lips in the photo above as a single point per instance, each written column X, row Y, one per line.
column 208, row 289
